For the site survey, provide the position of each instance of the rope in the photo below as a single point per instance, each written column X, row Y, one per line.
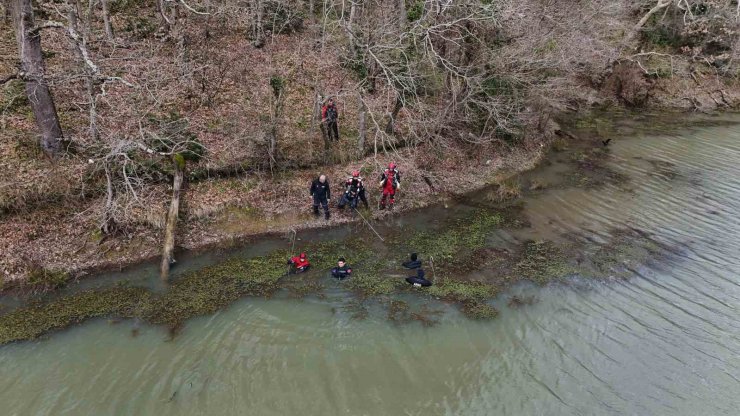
column 292, row 247
column 368, row 224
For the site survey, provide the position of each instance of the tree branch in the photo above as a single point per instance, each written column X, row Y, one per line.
column 9, row 78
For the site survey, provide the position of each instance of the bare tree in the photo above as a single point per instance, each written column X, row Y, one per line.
column 106, row 20
column 169, row 234
column 33, row 74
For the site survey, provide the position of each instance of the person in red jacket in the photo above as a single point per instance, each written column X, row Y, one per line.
column 390, row 181
column 329, row 116
column 300, row 263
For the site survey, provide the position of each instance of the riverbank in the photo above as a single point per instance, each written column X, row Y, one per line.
column 474, row 251
column 47, row 247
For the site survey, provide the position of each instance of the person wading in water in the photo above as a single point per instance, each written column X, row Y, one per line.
column 342, row 271
column 321, row 193
column 300, row 263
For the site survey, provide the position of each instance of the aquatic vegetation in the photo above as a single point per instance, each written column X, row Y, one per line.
column 542, row 262
column 357, row 309
column 211, row 288
column 517, row 301
column 507, row 189
column 214, row 287
column 460, row 291
column 398, row 311
column 34, row 320
column 448, row 246
column 304, row 287
column 479, row 310
column 44, row 279
column 625, row 249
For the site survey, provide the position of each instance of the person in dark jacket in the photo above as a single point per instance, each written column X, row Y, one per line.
column 342, row 271
column 329, row 116
column 419, row 280
column 321, row 194
column 414, row 263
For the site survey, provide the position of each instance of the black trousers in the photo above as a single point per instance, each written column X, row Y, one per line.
column 324, row 202
column 346, row 199
column 332, row 130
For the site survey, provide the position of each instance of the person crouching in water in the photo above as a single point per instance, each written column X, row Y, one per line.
column 413, row 263
column 321, row 194
column 300, row 263
column 354, row 192
column 390, row 181
column 342, row 271
column 419, row 280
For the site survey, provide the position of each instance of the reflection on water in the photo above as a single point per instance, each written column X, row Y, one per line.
column 664, row 342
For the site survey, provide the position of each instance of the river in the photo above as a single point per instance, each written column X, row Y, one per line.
column 663, row 341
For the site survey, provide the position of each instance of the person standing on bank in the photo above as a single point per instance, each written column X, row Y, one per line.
column 329, row 116
column 321, row 194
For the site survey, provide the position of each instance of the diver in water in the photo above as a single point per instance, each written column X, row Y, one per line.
column 300, row 263
column 414, row 263
column 419, row 280
column 342, row 271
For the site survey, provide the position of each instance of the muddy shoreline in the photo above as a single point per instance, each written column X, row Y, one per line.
column 194, row 237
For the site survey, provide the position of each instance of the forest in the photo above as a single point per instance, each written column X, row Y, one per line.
column 127, row 125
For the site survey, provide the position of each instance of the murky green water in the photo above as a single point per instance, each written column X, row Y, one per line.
column 664, row 342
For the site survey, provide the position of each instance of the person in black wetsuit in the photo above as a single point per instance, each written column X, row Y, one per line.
column 321, row 194
column 342, row 271
column 414, row 263
column 419, row 280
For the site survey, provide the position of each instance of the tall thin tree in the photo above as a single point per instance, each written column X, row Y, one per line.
column 33, row 74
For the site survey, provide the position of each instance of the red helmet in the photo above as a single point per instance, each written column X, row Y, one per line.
column 355, row 173
column 391, row 165
column 303, row 255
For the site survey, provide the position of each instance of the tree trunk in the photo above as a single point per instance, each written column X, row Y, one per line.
column 162, row 10
column 6, row 11
column 361, row 129
column 108, row 224
column 169, row 231
column 32, row 72
column 401, row 14
column 106, row 20
column 389, row 128
column 258, row 30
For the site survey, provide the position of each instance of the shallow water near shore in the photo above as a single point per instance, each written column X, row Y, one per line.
column 659, row 337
